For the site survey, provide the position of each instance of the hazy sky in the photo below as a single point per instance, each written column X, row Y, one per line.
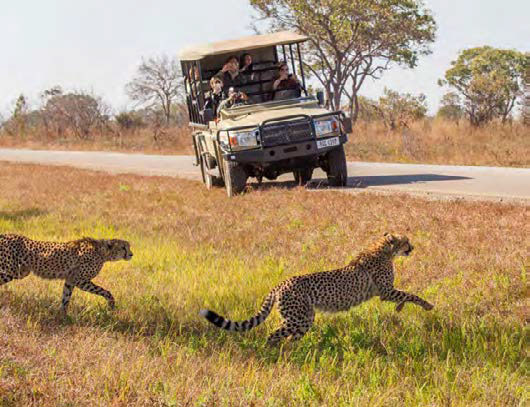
column 96, row 45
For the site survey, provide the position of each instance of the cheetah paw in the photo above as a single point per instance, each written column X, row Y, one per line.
column 428, row 307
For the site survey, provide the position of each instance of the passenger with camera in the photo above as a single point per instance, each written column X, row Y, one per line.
column 234, row 98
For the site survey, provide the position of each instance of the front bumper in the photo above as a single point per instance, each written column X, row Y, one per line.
column 277, row 153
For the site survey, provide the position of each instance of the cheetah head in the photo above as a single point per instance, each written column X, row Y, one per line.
column 399, row 245
column 116, row 249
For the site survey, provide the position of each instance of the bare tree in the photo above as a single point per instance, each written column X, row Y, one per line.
column 157, row 83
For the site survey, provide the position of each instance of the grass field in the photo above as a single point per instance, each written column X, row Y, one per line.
column 196, row 248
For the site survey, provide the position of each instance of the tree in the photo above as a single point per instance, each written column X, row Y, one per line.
column 157, row 84
column 368, row 110
column 129, row 121
column 77, row 112
column 399, row 109
column 19, row 115
column 489, row 80
column 21, row 106
column 450, row 107
column 526, row 101
column 351, row 40
column 19, row 120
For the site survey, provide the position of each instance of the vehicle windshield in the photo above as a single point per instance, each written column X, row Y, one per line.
column 238, row 110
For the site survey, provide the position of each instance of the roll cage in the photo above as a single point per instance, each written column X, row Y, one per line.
column 201, row 63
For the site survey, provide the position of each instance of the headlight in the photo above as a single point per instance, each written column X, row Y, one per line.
column 244, row 139
column 326, row 126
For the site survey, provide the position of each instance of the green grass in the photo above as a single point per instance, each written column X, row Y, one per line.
column 154, row 349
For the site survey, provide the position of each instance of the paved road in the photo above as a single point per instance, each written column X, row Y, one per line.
column 490, row 183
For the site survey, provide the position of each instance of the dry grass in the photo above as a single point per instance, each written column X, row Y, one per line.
column 428, row 141
column 443, row 142
column 196, row 248
column 173, row 140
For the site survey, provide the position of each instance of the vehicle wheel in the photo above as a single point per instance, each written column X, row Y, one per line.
column 337, row 170
column 235, row 178
column 303, row 175
column 209, row 180
column 217, row 182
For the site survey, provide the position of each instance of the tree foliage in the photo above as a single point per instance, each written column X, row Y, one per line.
column 450, row 107
column 17, row 122
column 526, row 100
column 77, row 112
column 157, row 84
column 394, row 109
column 400, row 109
column 351, row 40
column 129, row 121
column 489, row 80
column 368, row 110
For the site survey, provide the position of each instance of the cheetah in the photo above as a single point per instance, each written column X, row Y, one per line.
column 369, row 274
column 77, row 262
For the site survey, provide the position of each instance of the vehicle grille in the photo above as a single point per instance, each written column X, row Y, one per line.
column 279, row 133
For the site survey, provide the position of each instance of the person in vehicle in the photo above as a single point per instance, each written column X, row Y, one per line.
column 285, row 82
column 246, row 67
column 193, row 83
column 234, row 98
column 216, row 95
column 230, row 74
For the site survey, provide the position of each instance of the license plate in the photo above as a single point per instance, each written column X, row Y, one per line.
column 329, row 142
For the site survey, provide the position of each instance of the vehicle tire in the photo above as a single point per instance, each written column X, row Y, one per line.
column 235, row 178
column 218, row 181
column 209, row 180
column 337, row 170
column 303, row 175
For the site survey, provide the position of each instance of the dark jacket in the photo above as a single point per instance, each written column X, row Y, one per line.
column 287, row 89
column 247, row 75
column 229, row 82
column 213, row 100
column 288, row 84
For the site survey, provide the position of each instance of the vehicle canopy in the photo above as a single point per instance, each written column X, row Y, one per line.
column 251, row 42
column 202, row 62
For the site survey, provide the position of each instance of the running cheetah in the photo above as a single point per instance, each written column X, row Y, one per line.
column 370, row 274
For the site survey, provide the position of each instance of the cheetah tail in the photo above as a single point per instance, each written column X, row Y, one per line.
column 250, row 323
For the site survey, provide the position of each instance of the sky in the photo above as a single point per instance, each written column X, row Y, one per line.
column 97, row 45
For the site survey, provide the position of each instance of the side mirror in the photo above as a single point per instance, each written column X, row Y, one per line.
column 346, row 125
column 320, row 97
column 207, row 115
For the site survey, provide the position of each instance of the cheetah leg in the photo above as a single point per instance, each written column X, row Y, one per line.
column 5, row 278
column 278, row 335
column 67, row 294
column 401, row 297
column 90, row 287
column 298, row 320
column 304, row 325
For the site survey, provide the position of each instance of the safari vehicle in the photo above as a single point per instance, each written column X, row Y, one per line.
column 279, row 132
